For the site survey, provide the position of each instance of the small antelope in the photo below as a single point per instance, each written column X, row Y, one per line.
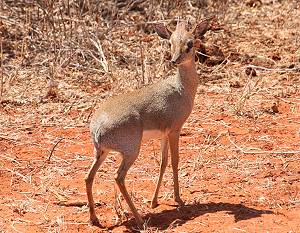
column 155, row 111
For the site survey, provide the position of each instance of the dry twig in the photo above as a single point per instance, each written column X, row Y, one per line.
column 52, row 150
column 102, row 59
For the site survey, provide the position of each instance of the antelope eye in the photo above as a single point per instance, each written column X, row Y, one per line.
column 190, row 44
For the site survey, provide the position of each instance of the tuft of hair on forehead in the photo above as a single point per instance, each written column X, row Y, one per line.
column 181, row 25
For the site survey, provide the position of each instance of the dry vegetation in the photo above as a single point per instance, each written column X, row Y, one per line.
column 240, row 148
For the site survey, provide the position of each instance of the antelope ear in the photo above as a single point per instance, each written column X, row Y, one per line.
column 202, row 28
column 162, row 31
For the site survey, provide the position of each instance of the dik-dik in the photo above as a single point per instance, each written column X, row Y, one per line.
column 155, row 111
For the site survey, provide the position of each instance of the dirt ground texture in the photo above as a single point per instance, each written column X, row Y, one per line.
column 239, row 149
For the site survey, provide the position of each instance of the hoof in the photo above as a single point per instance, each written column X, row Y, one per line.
column 154, row 204
column 180, row 202
column 95, row 222
column 140, row 224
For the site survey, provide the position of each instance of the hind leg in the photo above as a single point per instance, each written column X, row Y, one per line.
column 128, row 160
column 99, row 158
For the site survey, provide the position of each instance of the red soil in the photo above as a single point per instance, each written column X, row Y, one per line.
column 237, row 174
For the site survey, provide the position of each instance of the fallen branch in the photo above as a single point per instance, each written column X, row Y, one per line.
column 69, row 203
column 52, row 150
column 259, row 151
column 282, row 70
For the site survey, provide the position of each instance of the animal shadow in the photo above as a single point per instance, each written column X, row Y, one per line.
column 181, row 215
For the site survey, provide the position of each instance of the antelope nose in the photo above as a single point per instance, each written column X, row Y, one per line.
column 173, row 62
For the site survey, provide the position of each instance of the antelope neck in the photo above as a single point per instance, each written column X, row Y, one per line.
column 188, row 76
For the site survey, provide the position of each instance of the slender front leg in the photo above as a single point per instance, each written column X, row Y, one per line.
column 99, row 158
column 163, row 165
column 174, row 141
